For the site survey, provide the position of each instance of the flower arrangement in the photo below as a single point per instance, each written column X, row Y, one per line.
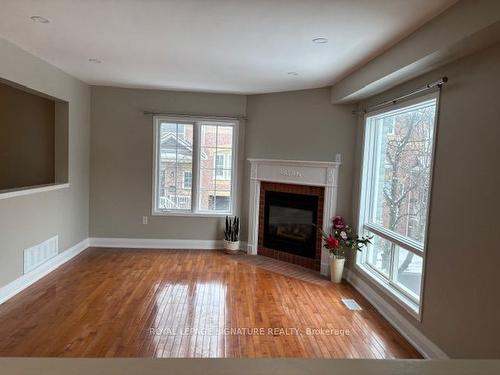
column 342, row 238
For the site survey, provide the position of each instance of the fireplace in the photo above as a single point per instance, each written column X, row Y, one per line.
column 289, row 219
column 290, row 223
column 286, row 197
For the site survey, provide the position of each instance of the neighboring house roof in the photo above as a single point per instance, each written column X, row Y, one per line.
column 170, row 143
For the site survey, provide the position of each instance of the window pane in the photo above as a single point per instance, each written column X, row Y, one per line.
column 222, row 202
column 219, row 163
column 224, row 158
column 207, row 157
column 207, row 200
column 225, row 137
column 379, row 254
column 175, row 164
column 177, row 201
column 215, row 201
column 207, row 179
column 167, row 142
column 216, row 167
column 408, row 271
column 168, row 128
column 183, row 199
column 224, row 184
column 402, row 162
column 218, row 158
column 166, row 184
column 208, row 136
column 185, row 133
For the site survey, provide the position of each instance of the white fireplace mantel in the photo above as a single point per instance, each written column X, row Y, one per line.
column 313, row 173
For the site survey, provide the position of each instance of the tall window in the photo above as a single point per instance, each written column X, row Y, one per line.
column 395, row 192
column 193, row 166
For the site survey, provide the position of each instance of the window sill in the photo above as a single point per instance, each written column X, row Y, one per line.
column 191, row 214
column 12, row 193
column 409, row 305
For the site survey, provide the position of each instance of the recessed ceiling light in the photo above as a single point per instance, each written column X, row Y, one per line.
column 320, row 40
column 39, row 19
column 293, row 73
column 94, row 61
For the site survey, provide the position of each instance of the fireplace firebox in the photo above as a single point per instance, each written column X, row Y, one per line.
column 290, row 223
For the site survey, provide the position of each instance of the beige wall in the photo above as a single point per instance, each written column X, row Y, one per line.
column 31, row 219
column 121, row 161
column 293, row 125
column 460, row 302
column 26, row 138
column 301, row 125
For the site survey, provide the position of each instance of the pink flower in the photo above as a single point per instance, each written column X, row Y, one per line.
column 338, row 223
column 332, row 242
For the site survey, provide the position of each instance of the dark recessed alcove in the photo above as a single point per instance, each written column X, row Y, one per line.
column 33, row 138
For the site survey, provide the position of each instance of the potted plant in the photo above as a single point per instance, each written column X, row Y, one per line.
column 339, row 242
column 232, row 235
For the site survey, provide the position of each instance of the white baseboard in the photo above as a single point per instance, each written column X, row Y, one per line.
column 425, row 346
column 147, row 243
column 21, row 283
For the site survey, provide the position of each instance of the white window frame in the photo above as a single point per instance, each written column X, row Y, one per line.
column 389, row 287
column 197, row 122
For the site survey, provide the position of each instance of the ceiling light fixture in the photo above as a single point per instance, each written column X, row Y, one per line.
column 293, row 73
column 320, row 40
column 39, row 19
column 94, row 61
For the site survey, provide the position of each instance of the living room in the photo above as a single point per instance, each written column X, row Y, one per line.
column 189, row 179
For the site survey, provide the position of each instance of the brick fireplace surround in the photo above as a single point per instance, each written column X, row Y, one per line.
column 317, row 191
column 318, row 178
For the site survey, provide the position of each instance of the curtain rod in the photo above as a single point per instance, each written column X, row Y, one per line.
column 440, row 82
column 192, row 115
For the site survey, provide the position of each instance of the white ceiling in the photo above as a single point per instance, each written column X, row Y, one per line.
column 238, row 46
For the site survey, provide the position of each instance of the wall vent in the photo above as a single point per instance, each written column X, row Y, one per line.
column 351, row 304
column 39, row 254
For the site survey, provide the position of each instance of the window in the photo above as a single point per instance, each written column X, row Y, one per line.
column 188, row 180
column 181, row 130
column 395, row 193
column 193, row 166
column 223, row 166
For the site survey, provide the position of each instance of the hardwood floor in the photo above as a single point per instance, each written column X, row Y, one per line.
column 167, row 303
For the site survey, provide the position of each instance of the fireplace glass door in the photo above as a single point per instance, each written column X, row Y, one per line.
column 290, row 223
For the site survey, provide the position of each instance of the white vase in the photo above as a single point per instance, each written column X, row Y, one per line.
column 336, row 268
column 232, row 247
